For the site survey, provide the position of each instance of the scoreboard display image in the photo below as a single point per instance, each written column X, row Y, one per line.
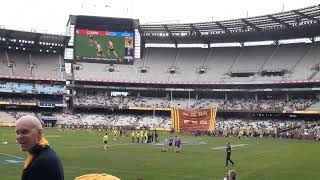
column 104, row 46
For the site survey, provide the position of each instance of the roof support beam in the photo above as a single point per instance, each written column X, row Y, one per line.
column 194, row 29
column 226, row 30
column 251, row 25
column 312, row 39
column 279, row 21
column 198, row 33
column 8, row 35
column 170, row 35
column 37, row 39
column 304, row 15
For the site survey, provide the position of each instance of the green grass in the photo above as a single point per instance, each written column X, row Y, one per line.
column 262, row 159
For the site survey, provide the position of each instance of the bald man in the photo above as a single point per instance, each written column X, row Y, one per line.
column 42, row 162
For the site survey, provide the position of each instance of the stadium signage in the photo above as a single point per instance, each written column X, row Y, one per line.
column 190, row 120
column 92, row 32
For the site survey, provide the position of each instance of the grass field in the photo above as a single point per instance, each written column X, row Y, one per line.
column 83, row 153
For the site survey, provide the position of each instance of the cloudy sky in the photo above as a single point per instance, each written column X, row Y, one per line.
column 52, row 16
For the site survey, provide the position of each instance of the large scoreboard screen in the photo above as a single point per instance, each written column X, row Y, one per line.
column 104, row 46
column 105, row 40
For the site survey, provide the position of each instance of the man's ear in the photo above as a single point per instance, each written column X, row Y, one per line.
column 40, row 133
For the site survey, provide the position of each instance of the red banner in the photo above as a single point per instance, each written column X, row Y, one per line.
column 188, row 120
column 92, row 32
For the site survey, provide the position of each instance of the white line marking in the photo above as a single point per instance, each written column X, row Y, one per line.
column 12, row 156
column 85, row 147
column 185, row 143
column 53, row 136
column 15, row 161
column 237, row 145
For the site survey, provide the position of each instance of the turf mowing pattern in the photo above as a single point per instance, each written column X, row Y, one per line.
column 82, row 153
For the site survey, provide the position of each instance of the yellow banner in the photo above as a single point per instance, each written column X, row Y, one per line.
column 7, row 124
column 150, row 108
column 306, row 112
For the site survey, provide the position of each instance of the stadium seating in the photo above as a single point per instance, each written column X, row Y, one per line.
column 12, row 116
column 159, row 61
column 252, row 58
column 5, row 70
column 298, row 61
column 7, row 117
column 47, row 66
column 31, row 88
column 114, row 120
column 28, row 65
column 286, row 56
column 230, row 104
column 187, row 63
column 266, row 127
column 303, row 69
column 21, row 64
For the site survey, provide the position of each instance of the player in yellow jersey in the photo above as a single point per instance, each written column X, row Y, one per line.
column 111, row 49
column 105, row 141
column 141, row 136
column 133, row 134
column 98, row 49
column 115, row 134
column 146, row 136
column 138, row 136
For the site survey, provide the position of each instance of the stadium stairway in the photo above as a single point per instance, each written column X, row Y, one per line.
column 314, row 74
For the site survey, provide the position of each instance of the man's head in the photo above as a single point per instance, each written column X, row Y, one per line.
column 28, row 132
column 232, row 175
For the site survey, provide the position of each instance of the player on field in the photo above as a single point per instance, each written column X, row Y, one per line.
column 138, row 136
column 115, row 134
column 105, row 141
column 170, row 143
column 91, row 40
column 98, row 49
column 133, row 134
column 111, row 49
column 178, row 145
column 228, row 151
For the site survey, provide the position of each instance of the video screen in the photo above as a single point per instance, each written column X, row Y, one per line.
column 104, row 46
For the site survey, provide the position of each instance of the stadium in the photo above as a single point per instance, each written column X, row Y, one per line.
column 251, row 81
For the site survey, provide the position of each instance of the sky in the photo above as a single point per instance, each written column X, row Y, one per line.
column 51, row 16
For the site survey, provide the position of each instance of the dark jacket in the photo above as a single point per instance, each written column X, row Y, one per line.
column 45, row 166
column 228, row 150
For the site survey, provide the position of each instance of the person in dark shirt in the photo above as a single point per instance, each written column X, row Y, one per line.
column 170, row 143
column 178, row 144
column 228, row 150
column 42, row 162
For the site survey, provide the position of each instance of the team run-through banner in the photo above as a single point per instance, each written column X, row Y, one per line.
column 187, row 120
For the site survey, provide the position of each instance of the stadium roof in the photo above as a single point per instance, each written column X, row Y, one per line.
column 102, row 23
column 32, row 41
column 8, row 35
column 300, row 23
